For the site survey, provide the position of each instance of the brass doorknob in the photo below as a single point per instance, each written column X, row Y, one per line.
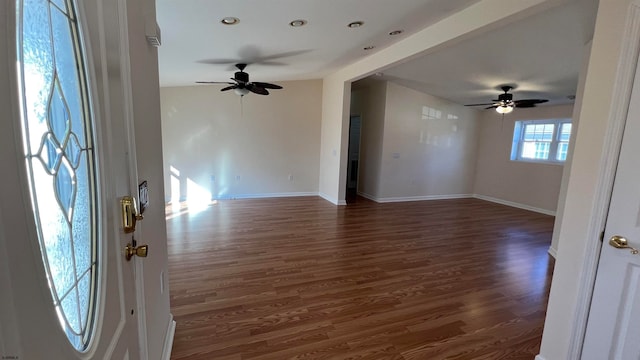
column 620, row 242
column 140, row 251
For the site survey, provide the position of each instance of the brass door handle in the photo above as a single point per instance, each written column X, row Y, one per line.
column 129, row 214
column 140, row 251
column 620, row 242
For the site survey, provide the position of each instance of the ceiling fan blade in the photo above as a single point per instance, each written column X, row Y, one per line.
column 529, row 102
column 217, row 61
column 256, row 89
column 241, row 81
column 492, row 107
column 266, row 85
column 251, row 54
column 263, row 59
column 229, row 87
column 214, row 82
column 480, row 104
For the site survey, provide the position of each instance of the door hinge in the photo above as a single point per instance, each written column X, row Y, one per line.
column 602, row 236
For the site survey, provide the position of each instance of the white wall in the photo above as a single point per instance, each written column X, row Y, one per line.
column 562, row 197
column 583, row 215
column 334, row 139
column 404, row 157
column 429, row 147
column 414, row 146
column 531, row 185
column 234, row 149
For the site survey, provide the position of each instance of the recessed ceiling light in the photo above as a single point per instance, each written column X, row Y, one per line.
column 298, row 23
column 396, row 32
column 370, row 47
column 230, row 20
column 356, row 24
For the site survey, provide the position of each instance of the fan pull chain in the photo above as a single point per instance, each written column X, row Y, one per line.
column 241, row 108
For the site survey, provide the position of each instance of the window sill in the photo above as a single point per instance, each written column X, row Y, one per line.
column 540, row 162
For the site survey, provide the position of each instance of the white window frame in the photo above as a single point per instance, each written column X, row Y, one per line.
column 518, row 140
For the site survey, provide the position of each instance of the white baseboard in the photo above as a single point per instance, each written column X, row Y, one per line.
column 168, row 339
column 332, row 200
column 367, row 196
column 266, row 195
column 255, row 196
column 457, row 196
column 415, row 198
column 553, row 252
column 514, row 204
column 539, row 357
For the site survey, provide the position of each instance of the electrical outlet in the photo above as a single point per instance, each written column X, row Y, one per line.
column 237, row 177
column 212, row 178
column 290, row 177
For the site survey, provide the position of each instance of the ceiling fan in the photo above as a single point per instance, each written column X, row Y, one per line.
column 505, row 103
column 242, row 86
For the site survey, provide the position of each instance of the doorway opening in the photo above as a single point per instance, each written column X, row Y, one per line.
column 355, row 123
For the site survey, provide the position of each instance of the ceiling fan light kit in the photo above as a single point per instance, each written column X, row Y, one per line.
column 241, row 92
column 504, row 109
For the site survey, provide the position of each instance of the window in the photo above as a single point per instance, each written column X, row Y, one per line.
column 544, row 141
column 60, row 155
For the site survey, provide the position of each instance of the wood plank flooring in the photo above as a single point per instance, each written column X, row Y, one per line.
column 299, row 278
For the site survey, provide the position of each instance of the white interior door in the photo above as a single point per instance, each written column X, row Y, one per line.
column 73, row 167
column 614, row 319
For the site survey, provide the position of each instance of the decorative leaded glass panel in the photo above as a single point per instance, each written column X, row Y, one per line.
column 60, row 157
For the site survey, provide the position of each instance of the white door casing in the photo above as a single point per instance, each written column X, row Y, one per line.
column 29, row 327
column 609, row 77
column 613, row 326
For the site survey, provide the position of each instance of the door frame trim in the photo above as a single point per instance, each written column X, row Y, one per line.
column 625, row 74
column 125, row 73
column 9, row 330
column 168, row 339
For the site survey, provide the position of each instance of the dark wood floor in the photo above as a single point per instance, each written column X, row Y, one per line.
column 299, row 278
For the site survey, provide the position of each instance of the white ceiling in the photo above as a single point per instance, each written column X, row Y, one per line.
column 192, row 33
column 541, row 54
